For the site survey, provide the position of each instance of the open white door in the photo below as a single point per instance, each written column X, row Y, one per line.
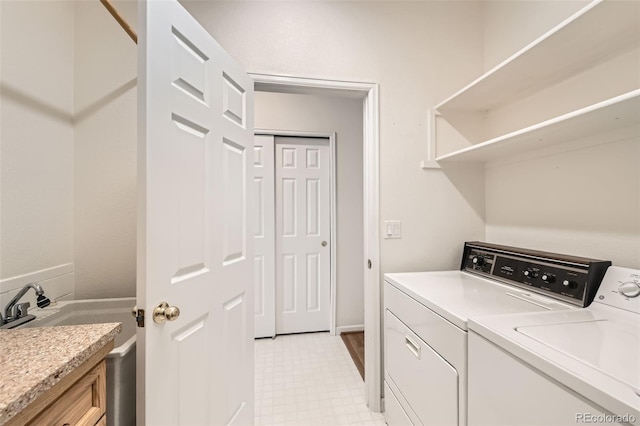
column 195, row 108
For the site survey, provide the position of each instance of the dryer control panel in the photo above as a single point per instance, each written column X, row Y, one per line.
column 567, row 278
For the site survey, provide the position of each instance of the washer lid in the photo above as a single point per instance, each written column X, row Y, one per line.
column 457, row 295
column 610, row 346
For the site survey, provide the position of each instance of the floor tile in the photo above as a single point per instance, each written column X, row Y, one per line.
column 309, row 379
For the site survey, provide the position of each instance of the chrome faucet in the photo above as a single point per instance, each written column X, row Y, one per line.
column 15, row 311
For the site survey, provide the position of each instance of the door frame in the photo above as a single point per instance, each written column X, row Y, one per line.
column 333, row 190
column 369, row 93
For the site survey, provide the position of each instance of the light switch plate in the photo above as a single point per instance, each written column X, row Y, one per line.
column 392, row 229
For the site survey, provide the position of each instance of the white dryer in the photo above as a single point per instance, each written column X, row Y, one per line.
column 426, row 315
column 560, row 368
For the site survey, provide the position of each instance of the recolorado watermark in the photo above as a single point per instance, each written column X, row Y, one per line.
column 604, row 418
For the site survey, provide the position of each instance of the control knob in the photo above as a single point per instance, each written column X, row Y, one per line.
column 478, row 261
column 548, row 278
column 530, row 273
column 630, row 289
column 569, row 284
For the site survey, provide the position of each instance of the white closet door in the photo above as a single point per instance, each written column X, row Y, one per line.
column 303, row 209
column 264, row 236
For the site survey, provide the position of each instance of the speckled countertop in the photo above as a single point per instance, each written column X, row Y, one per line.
column 32, row 360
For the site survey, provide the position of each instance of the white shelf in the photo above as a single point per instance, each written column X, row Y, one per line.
column 594, row 34
column 619, row 112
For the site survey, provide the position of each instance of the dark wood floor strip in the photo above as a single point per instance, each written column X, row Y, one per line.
column 354, row 341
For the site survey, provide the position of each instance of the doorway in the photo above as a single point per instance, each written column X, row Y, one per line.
column 367, row 93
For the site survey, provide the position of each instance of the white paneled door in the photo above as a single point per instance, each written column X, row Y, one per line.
column 302, row 187
column 264, row 236
column 195, row 107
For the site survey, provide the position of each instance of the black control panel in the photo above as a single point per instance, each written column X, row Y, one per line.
column 568, row 278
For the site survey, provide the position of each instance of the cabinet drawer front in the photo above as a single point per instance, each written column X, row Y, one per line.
column 427, row 382
column 82, row 404
column 394, row 414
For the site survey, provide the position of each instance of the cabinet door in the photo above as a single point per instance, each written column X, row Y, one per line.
column 83, row 404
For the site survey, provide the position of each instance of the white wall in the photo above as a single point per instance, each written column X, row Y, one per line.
column 583, row 202
column 582, row 198
column 343, row 116
column 36, row 171
column 419, row 53
column 68, row 150
column 105, row 153
column 511, row 25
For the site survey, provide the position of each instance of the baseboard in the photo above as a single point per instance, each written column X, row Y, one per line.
column 349, row 328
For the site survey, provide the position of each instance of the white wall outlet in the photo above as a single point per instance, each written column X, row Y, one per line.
column 392, row 229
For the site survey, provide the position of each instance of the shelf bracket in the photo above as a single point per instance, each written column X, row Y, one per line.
column 430, row 162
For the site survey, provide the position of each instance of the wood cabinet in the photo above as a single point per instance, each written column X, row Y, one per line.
column 576, row 81
column 78, row 399
column 84, row 403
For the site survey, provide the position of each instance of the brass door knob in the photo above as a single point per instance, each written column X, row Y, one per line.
column 323, row 244
column 163, row 312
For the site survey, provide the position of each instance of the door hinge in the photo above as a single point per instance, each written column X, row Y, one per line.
column 139, row 316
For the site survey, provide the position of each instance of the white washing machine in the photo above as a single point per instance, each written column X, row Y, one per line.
column 560, row 368
column 426, row 314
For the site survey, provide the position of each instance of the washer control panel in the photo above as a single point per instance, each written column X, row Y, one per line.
column 620, row 288
column 571, row 279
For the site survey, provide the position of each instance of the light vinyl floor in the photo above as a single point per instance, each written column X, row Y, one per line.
column 309, row 379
